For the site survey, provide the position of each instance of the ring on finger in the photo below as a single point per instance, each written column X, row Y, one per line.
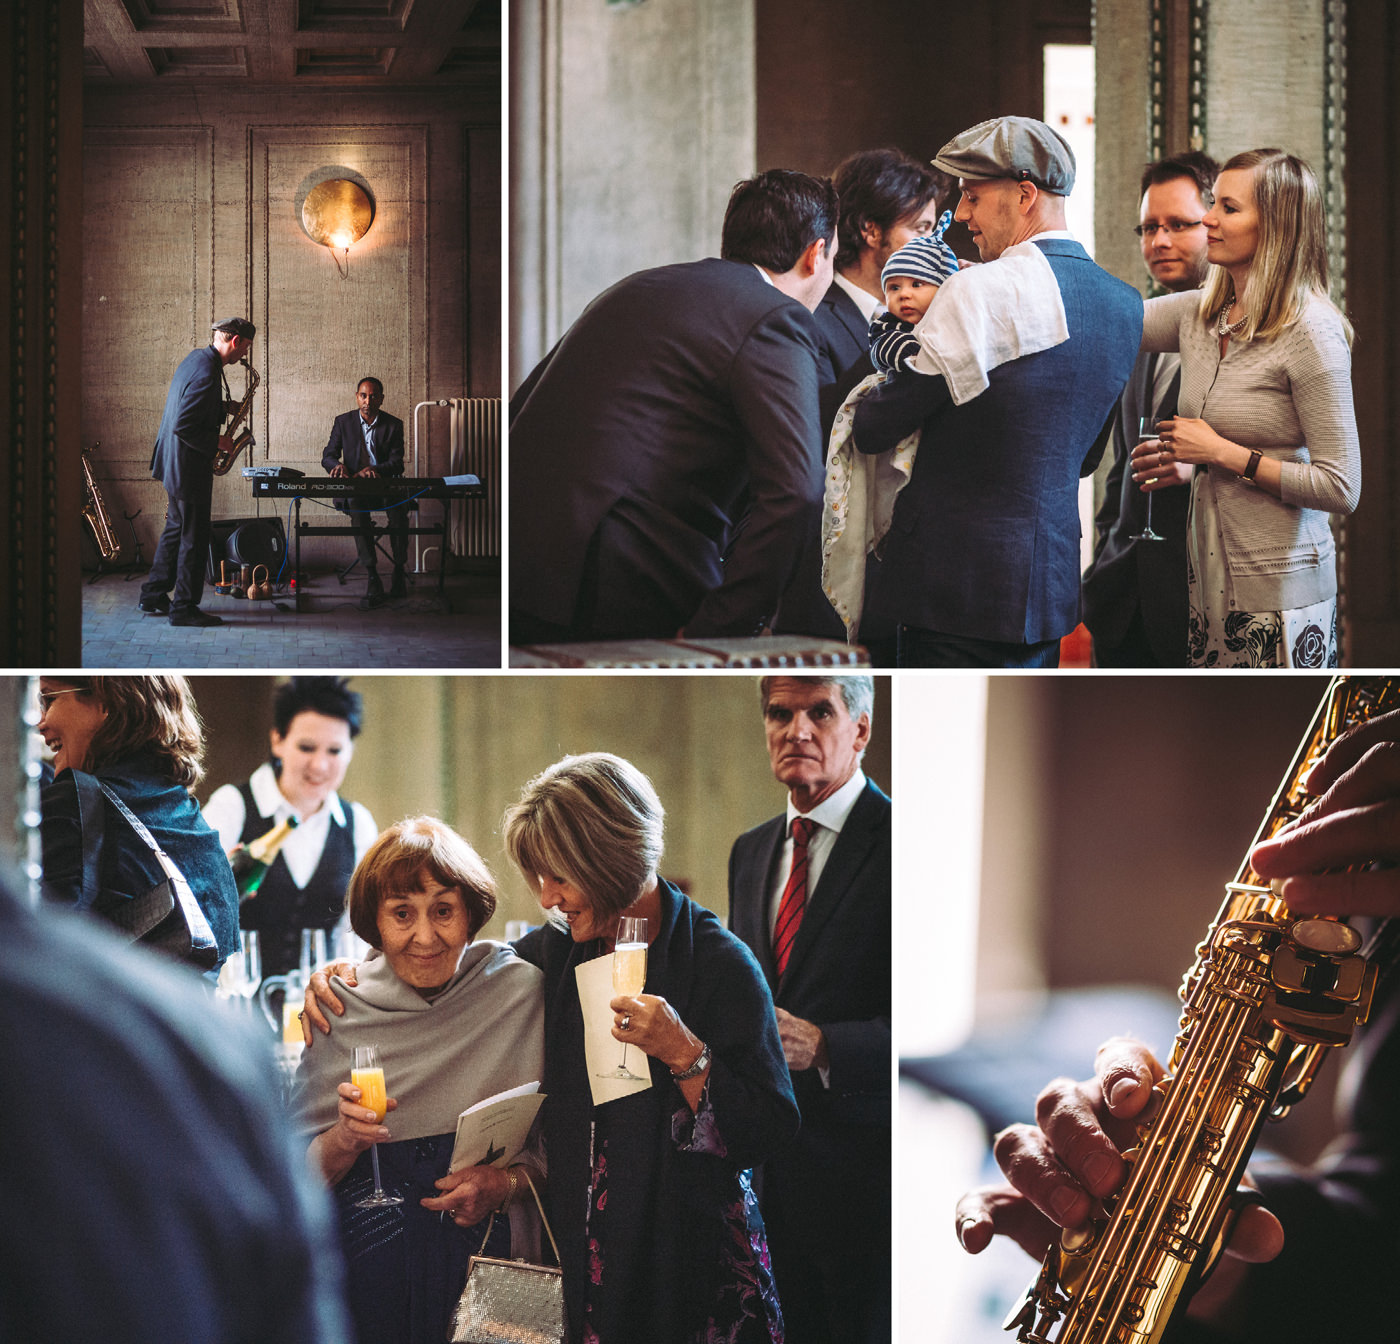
column 626, row 1022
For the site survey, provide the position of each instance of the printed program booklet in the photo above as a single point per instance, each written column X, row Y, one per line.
column 493, row 1132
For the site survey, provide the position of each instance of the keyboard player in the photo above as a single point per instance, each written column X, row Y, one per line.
column 365, row 443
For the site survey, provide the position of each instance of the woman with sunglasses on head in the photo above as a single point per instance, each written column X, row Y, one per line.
column 142, row 739
column 1265, row 432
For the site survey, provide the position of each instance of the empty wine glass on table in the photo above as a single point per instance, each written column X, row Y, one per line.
column 367, row 1073
column 1147, row 431
column 629, row 976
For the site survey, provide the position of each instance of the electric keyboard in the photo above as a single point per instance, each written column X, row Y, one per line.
column 371, row 487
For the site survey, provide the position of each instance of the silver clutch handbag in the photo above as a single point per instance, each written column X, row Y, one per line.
column 511, row 1301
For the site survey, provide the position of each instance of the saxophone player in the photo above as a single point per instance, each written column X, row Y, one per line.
column 182, row 461
column 1318, row 1258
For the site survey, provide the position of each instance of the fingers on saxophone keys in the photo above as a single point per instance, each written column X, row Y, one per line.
column 1024, row 1154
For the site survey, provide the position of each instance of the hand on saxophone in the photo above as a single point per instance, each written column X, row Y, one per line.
column 1061, row 1168
column 1356, row 819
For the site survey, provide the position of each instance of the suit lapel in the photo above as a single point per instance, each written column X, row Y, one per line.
column 845, row 309
column 761, row 884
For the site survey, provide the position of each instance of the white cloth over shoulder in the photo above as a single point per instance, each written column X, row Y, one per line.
column 982, row 317
column 988, row 315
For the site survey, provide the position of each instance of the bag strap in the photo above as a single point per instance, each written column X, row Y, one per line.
column 90, row 813
column 201, row 935
column 525, row 1172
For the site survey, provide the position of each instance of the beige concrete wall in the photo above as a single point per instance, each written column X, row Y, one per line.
column 190, row 216
column 630, row 125
column 462, row 747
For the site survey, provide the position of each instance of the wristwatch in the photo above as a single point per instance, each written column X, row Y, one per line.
column 702, row 1062
column 1254, row 458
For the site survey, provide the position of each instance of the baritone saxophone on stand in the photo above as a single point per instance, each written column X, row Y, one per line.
column 1268, row 995
column 226, row 455
column 95, row 513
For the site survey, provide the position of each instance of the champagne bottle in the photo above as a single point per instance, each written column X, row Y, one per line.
column 250, row 862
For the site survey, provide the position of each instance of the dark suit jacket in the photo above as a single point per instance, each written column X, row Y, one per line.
column 837, row 976
column 843, row 335
column 1127, row 575
column 347, row 444
column 985, row 538
column 188, row 436
column 680, row 394
column 843, row 359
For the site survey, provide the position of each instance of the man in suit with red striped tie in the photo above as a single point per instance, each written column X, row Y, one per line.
column 809, row 893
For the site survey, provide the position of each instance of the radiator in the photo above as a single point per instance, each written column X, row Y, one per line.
column 476, row 448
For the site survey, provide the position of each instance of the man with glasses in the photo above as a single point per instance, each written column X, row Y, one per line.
column 1135, row 588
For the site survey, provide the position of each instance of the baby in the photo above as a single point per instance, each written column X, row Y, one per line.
column 910, row 279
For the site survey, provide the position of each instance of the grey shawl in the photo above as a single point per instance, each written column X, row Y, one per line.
column 482, row 1034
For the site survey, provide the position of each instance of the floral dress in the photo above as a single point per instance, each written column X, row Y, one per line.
column 1221, row 635
column 746, row 1309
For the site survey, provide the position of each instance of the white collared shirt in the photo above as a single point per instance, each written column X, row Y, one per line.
column 830, row 816
column 868, row 304
column 303, row 848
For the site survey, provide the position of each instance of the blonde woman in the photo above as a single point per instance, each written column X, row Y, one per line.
column 1265, row 433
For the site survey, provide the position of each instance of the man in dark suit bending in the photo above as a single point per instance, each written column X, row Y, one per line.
column 366, row 443
column 665, row 458
column 809, row 893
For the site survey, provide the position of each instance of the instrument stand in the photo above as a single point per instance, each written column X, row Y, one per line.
column 136, row 566
column 133, row 567
column 300, row 529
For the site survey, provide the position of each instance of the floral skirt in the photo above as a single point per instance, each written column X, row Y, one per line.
column 1223, row 636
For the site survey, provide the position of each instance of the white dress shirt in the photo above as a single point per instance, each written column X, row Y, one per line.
column 302, row 850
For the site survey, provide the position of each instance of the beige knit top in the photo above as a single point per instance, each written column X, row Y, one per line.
column 1291, row 399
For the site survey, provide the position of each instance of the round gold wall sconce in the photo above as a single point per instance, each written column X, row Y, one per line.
column 337, row 212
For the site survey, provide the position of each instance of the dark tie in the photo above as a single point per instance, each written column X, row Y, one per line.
column 794, row 899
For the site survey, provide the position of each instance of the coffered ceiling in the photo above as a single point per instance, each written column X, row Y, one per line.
column 338, row 43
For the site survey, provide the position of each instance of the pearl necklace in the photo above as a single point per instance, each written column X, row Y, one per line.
column 1223, row 328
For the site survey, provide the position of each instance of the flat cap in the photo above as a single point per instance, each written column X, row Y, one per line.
column 1020, row 148
column 237, row 326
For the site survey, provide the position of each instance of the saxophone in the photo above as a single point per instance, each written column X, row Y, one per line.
column 1268, row 995
column 95, row 513
column 231, row 443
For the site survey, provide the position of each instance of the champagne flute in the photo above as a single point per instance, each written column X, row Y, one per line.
column 1147, row 431
column 367, row 1073
column 629, row 976
column 242, row 972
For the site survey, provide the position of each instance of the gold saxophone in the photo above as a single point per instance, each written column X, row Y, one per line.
column 1268, row 995
column 95, row 513
column 231, row 443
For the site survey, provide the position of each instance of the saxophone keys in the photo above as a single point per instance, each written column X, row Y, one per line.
column 1330, row 937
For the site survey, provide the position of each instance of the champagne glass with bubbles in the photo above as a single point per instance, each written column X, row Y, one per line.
column 629, row 976
column 1147, row 431
column 367, row 1073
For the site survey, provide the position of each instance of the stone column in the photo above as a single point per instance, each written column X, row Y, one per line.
column 41, row 237
column 630, row 124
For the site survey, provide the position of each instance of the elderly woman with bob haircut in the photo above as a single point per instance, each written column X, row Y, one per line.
column 141, row 738
column 649, row 1195
column 672, row 1246
column 1265, row 432
column 456, row 1021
